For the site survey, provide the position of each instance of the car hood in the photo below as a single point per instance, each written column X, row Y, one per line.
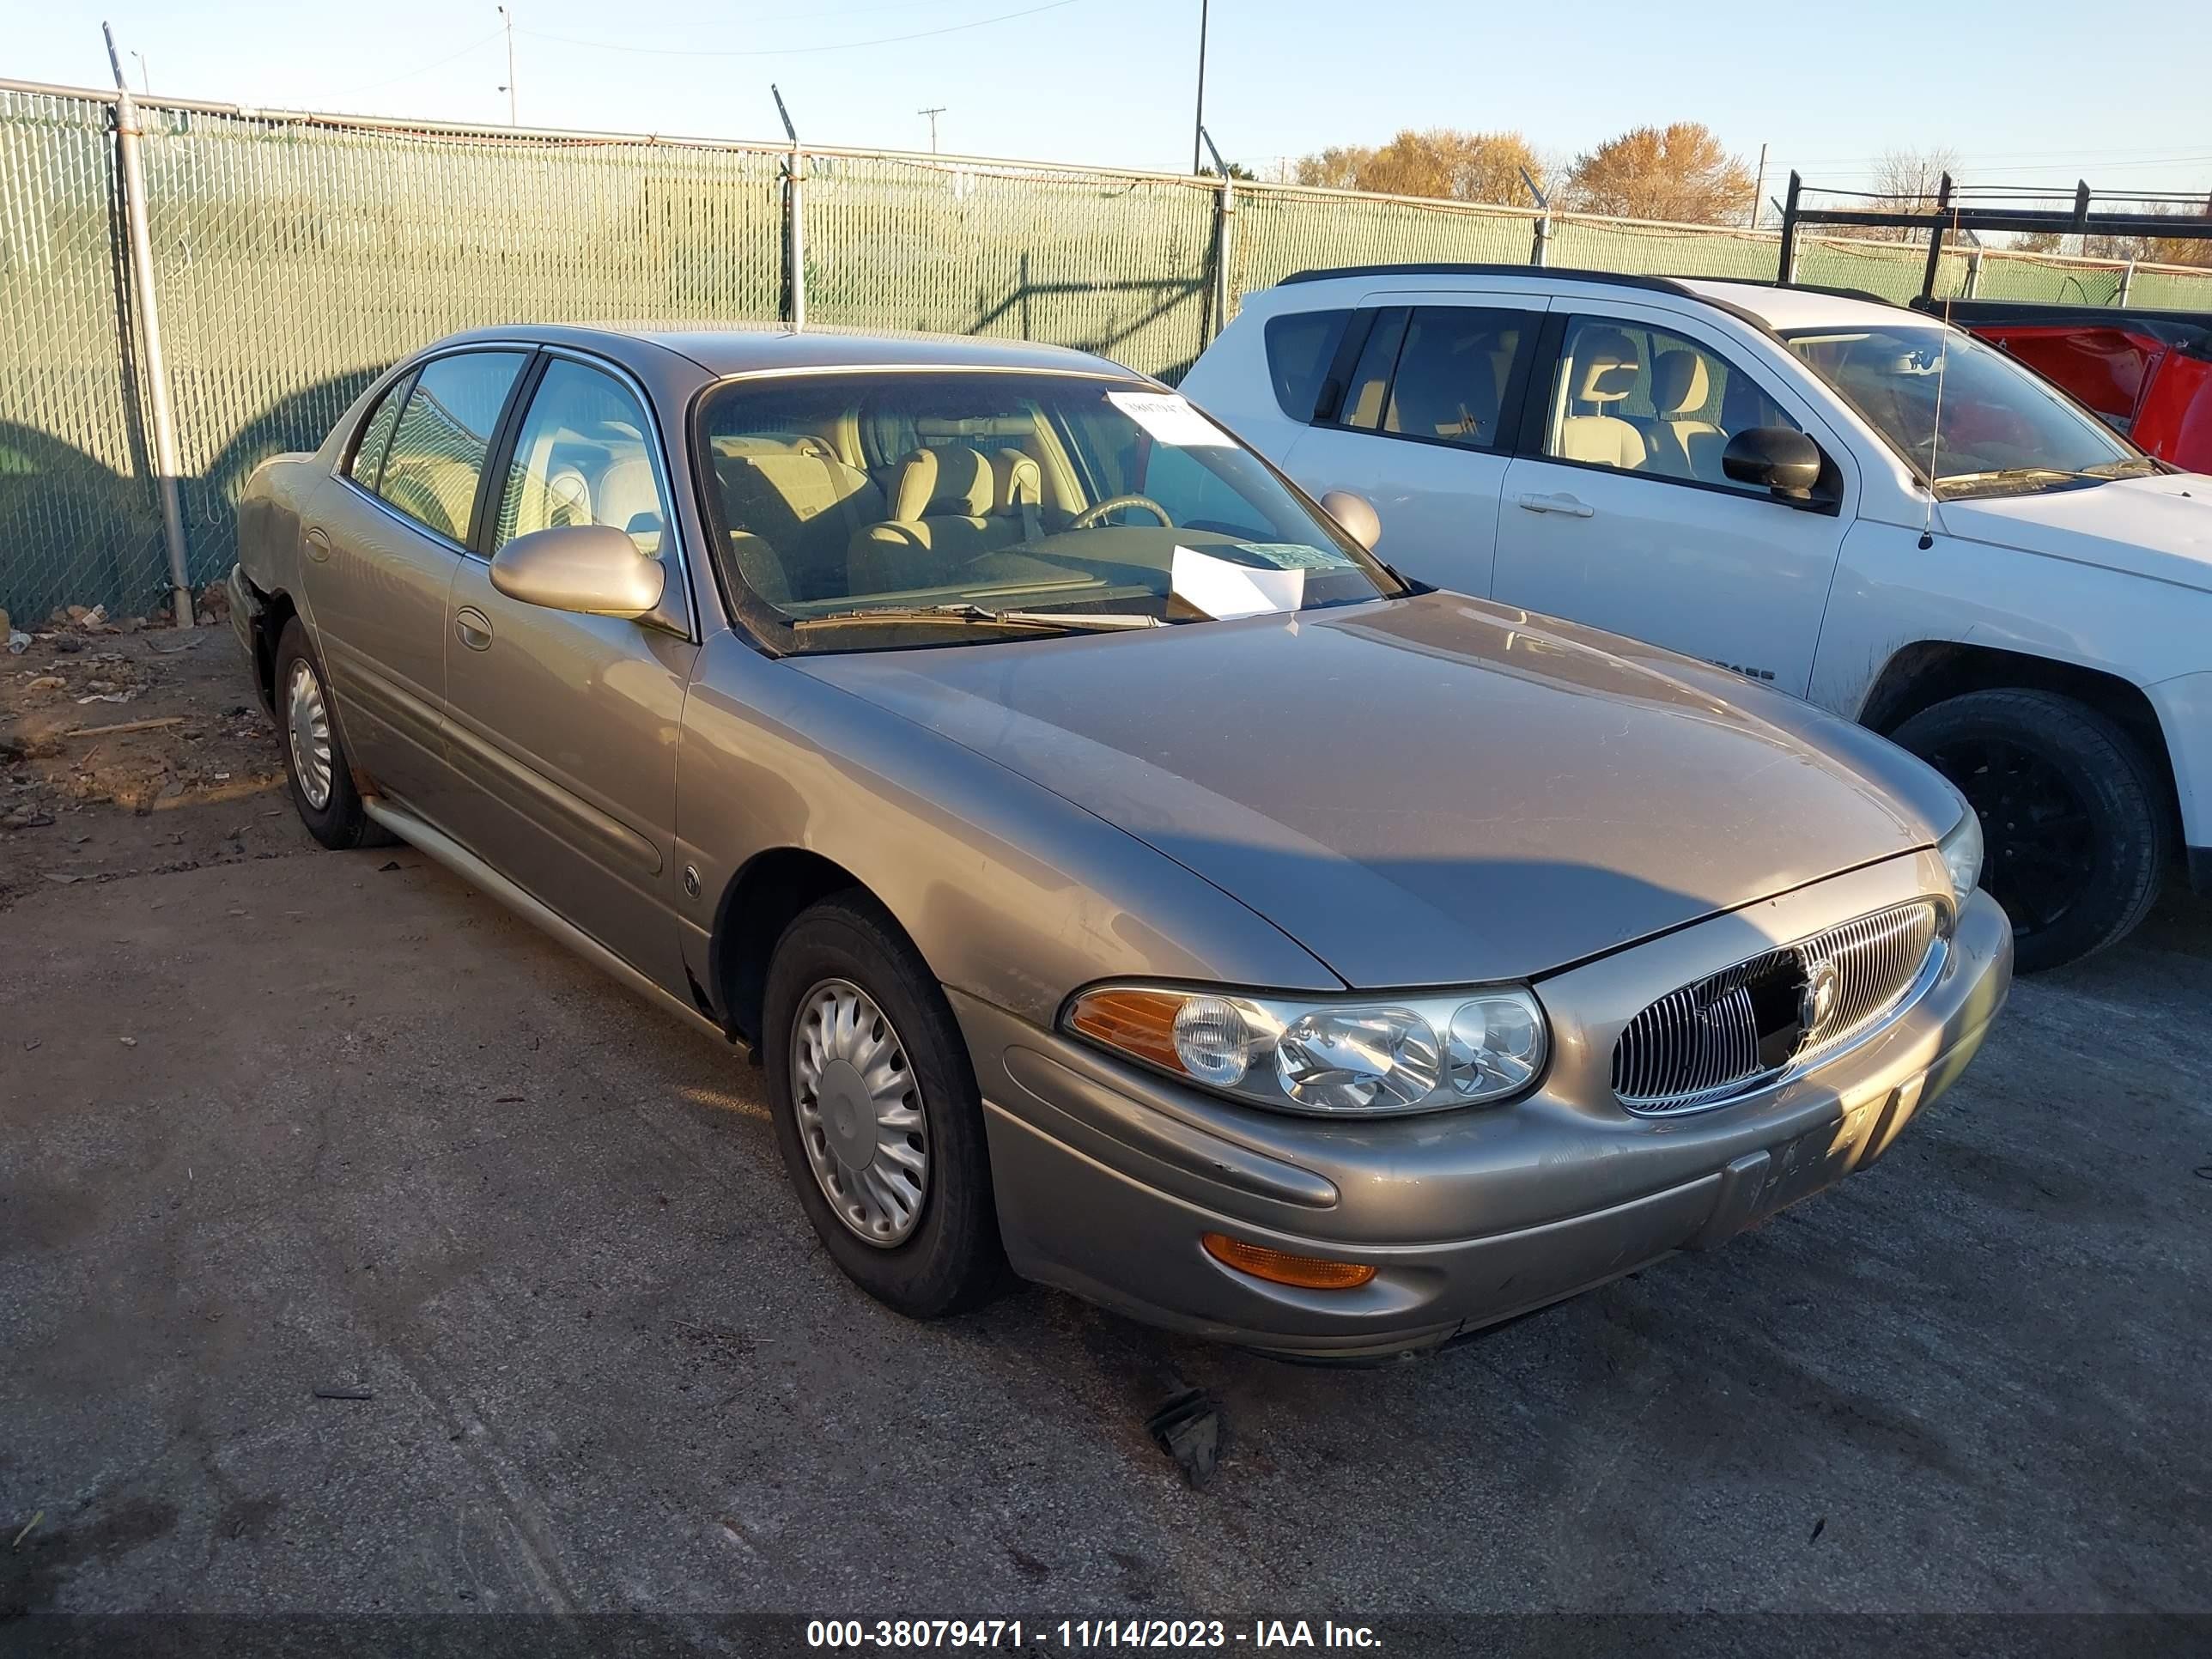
column 2159, row 527
column 1423, row 790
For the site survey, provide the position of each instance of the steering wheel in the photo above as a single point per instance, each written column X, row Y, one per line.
column 1089, row 516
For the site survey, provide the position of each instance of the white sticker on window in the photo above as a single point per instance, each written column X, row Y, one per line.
column 1221, row 588
column 1170, row 417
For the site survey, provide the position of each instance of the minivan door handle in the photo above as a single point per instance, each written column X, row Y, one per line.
column 1564, row 504
column 473, row 627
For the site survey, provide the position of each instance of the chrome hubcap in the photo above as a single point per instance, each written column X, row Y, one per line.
column 307, row 728
column 859, row 1112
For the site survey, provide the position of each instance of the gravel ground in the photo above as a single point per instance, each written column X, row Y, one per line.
column 275, row 1120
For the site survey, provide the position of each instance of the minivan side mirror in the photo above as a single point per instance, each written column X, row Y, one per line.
column 1355, row 515
column 593, row 569
column 1777, row 458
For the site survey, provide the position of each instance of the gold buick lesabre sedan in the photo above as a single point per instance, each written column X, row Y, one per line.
column 1120, row 873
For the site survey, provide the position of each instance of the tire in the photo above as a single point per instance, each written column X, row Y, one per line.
column 949, row 1258
column 2074, row 816
column 338, row 822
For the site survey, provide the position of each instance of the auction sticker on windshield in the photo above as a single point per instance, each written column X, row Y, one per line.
column 1170, row 417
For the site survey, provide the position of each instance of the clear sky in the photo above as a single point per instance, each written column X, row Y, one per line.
column 2025, row 92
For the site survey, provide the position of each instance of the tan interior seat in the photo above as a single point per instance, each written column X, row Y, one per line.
column 1606, row 368
column 1684, row 443
column 1454, row 394
column 942, row 515
column 793, row 509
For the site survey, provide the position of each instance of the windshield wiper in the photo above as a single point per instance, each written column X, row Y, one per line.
column 2001, row 476
column 2128, row 466
column 966, row 615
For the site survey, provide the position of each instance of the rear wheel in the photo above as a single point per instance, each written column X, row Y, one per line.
column 877, row 1111
column 314, row 756
column 2073, row 816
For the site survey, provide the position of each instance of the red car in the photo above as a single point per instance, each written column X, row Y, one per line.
column 2149, row 374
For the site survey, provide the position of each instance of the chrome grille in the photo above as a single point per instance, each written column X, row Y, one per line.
column 1740, row 1029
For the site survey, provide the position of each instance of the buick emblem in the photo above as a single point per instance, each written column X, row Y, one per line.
column 1817, row 1000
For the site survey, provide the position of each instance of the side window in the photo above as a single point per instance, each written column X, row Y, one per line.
column 582, row 456
column 376, row 433
column 438, row 447
column 1453, row 373
column 1648, row 400
column 1300, row 348
column 1370, row 384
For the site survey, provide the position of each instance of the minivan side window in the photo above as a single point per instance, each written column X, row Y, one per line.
column 582, row 458
column 1647, row 400
column 438, row 447
column 376, row 433
column 1300, row 347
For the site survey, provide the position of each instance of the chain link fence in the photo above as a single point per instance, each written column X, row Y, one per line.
column 295, row 255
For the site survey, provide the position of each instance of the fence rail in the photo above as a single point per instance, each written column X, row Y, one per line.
column 294, row 254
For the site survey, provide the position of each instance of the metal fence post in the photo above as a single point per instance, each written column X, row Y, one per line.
column 1973, row 274
column 1224, row 218
column 2127, row 284
column 141, row 246
column 1540, row 244
column 794, row 241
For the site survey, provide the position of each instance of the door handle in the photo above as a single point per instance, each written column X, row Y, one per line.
column 473, row 627
column 319, row 545
column 1567, row 505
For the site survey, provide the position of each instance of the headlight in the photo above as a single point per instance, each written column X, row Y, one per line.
column 1330, row 1057
column 1962, row 852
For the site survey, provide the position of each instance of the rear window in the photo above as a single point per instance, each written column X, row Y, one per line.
column 1300, row 348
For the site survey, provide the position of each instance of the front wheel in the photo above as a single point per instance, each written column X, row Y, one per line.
column 2074, row 817
column 877, row 1111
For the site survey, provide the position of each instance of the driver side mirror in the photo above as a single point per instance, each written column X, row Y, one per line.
column 1355, row 515
column 593, row 569
column 1777, row 458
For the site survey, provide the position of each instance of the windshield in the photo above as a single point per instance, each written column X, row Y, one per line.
column 866, row 510
column 2002, row 428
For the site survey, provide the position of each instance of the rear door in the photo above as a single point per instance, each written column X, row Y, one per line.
column 1618, row 512
column 1418, row 416
column 563, row 728
column 381, row 554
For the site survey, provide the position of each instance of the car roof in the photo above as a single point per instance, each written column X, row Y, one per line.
column 1766, row 305
column 751, row 348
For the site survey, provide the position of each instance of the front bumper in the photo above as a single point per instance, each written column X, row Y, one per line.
column 1107, row 1176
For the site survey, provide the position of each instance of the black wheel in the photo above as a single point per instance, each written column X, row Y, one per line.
column 314, row 754
column 877, row 1111
column 2073, row 816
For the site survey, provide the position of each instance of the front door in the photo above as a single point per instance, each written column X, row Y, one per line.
column 381, row 552
column 563, row 728
column 1620, row 514
column 1422, row 428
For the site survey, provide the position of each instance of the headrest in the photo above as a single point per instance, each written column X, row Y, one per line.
column 1016, row 480
column 1680, row 382
column 1605, row 365
column 951, row 482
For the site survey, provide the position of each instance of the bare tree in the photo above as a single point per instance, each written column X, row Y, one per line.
column 1680, row 172
column 1911, row 181
column 1441, row 162
column 2149, row 250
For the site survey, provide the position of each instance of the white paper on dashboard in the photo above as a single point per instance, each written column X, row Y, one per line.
column 1170, row 417
column 1221, row 588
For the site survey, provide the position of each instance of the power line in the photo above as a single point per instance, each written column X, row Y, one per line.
column 791, row 51
column 425, row 68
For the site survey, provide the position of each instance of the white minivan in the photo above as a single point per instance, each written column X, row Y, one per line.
column 1845, row 498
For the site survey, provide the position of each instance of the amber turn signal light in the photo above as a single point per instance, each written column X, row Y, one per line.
column 1308, row 1272
column 1139, row 1023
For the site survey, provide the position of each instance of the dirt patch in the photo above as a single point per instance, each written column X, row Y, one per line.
column 107, row 730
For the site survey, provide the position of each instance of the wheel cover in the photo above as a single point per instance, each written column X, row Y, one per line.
column 307, row 730
column 859, row 1113
column 2038, row 856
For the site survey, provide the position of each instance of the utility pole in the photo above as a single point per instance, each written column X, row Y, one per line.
column 145, row 75
column 1198, row 122
column 506, row 18
column 1758, row 190
column 933, row 114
